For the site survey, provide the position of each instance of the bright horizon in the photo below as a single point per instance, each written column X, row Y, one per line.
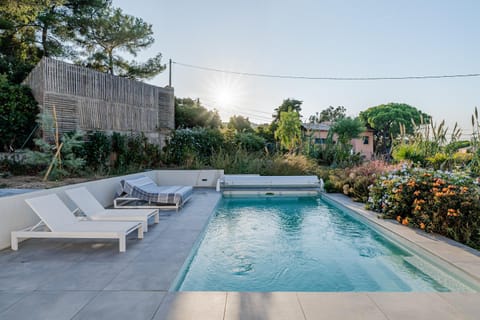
column 318, row 39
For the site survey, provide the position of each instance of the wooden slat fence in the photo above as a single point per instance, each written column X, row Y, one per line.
column 90, row 100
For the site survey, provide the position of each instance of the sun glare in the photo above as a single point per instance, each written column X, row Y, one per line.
column 224, row 97
column 226, row 92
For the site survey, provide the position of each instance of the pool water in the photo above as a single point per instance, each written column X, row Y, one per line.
column 302, row 244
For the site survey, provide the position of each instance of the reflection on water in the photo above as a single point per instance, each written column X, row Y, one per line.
column 304, row 244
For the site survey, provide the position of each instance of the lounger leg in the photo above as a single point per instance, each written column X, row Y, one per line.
column 122, row 243
column 157, row 217
column 140, row 232
column 14, row 242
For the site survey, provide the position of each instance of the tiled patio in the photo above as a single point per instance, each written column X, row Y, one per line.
column 55, row 279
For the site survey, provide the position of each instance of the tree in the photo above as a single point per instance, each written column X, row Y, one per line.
column 60, row 22
column 32, row 29
column 49, row 25
column 190, row 113
column 347, row 129
column 265, row 131
column 111, row 31
column 18, row 52
column 330, row 114
column 18, row 111
column 286, row 106
column 240, row 124
column 386, row 119
column 289, row 131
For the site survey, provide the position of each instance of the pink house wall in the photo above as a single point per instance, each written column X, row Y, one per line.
column 358, row 145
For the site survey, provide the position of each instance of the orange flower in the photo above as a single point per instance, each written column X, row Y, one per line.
column 418, row 208
column 399, row 218
column 452, row 213
column 405, row 221
column 445, row 190
column 422, row 225
column 435, row 190
column 416, row 193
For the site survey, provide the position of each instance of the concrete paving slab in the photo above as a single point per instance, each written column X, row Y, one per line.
column 467, row 303
column 145, row 276
column 48, row 305
column 192, row 306
column 122, row 305
column 165, row 251
column 7, row 299
column 263, row 306
column 29, row 276
column 345, row 305
column 84, row 276
column 415, row 305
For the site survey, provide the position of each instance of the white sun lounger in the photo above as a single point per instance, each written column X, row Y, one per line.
column 95, row 211
column 55, row 215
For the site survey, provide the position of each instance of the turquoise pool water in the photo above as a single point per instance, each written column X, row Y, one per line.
column 303, row 244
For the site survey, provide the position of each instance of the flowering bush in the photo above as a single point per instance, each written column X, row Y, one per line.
column 354, row 182
column 435, row 201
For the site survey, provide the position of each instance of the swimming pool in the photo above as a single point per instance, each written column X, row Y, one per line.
column 303, row 244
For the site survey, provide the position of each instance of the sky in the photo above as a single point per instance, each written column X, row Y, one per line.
column 318, row 38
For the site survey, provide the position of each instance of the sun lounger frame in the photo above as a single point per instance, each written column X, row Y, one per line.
column 59, row 210
column 81, row 195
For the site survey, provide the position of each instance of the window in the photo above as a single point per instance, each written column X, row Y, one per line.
column 320, row 140
column 365, row 139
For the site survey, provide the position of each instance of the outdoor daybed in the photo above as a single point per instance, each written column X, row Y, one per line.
column 142, row 192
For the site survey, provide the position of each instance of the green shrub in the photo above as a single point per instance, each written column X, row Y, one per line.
column 188, row 146
column 435, row 201
column 408, row 152
column 97, row 150
column 290, row 165
column 18, row 110
column 120, row 153
column 69, row 163
column 440, row 161
column 239, row 161
column 9, row 167
column 249, row 141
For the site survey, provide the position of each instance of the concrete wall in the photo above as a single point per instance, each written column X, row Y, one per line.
column 15, row 214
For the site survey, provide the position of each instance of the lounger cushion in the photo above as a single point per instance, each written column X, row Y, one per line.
column 146, row 189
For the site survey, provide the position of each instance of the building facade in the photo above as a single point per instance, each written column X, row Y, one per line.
column 319, row 133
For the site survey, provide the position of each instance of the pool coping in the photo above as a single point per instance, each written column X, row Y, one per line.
column 449, row 251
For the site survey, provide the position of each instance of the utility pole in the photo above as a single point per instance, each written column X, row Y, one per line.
column 169, row 72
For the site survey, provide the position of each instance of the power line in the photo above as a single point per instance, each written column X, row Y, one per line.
column 265, row 75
